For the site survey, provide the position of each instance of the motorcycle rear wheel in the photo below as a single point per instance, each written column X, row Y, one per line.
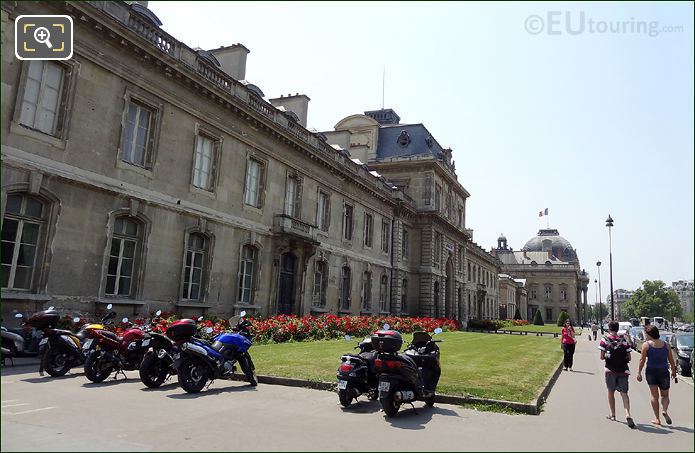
column 56, row 361
column 153, row 371
column 95, row 369
column 389, row 405
column 193, row 375
column 345, row 396
column 429, row 402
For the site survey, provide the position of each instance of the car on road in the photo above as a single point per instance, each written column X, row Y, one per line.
column 682, row 345
column 641, row 338
column 624, row 327
column 632, row 335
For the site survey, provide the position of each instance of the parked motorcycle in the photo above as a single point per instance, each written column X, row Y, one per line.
column 116, row 354
column 409, row 376
column 200, row 361
column 158, row 364
column 20, row 341
column 357, row 374
column 61, row 349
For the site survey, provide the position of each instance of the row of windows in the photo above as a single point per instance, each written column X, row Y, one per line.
column 448, row 206
column 533, row 292
column 477, row 274
column 138, row 142
column 23, row 229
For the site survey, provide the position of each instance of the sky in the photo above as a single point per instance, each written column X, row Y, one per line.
column 583, row 109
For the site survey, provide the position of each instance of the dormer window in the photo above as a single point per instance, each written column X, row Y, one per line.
column 403, row 139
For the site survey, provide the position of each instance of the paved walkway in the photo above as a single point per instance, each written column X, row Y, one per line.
column 271, row 417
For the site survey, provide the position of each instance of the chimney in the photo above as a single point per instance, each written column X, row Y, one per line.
column 232, row 59
column 297, row 104
column 525, row 255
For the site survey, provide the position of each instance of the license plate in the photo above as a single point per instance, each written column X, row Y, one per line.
column 146, row 342
column 342, row 385
column 87, row 343
column 43, row 341
column 384, row 386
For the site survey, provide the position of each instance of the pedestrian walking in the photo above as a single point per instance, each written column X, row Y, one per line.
column 657, row 354
column 594, row 330
column 568, row 344
column 615, row 351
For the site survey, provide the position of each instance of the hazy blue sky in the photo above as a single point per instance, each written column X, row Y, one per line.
column 540, row 112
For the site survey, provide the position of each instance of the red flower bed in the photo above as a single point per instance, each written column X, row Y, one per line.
column 283, row 328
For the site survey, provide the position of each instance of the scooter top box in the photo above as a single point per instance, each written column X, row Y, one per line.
column 387, row 341
column 44, row 319
column 182, row 329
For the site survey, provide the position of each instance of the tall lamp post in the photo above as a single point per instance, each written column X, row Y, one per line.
column 600, row 315
column 609, row 224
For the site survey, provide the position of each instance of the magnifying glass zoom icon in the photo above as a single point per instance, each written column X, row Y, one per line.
column 43, row 36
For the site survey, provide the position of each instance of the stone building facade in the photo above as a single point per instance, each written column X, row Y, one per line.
column 151, row 175
column 684, row 289
column 554, row 280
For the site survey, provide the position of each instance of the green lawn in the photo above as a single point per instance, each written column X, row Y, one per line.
column 503, row 367
column 549, row 328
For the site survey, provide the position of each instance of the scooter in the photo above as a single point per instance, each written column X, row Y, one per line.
column 356, row 373
column 200, row 362
column 409, row 376
column 61, row 349
column 20, row 341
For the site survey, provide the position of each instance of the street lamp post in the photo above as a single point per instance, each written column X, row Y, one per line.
column 609, row 224
column 600, row 315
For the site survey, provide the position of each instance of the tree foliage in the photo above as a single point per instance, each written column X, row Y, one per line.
column 653, row 299
column 538, row 319
column 594, row 311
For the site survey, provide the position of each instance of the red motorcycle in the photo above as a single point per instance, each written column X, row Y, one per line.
column 116, row 354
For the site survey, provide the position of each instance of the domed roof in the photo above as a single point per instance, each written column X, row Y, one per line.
column 502, row 237
column 550, row 240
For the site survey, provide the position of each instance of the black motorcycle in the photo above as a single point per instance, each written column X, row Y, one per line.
column 357, row 375
column 409, row 376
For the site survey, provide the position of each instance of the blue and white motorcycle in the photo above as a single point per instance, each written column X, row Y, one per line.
column 201, row 361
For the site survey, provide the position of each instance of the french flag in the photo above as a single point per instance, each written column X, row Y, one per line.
column 542, row 213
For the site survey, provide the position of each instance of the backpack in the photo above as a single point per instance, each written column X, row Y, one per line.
column 616, row 354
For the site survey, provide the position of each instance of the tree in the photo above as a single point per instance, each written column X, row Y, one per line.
column 594, row 311
column 564, row 316
column 653, row 299
column 538, row 319
column 517, row 314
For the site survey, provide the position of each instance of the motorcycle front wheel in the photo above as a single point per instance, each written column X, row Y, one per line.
column 193, row 375
column 95, row 369
column 153, row 370
column 249, row 371
column 56, row 361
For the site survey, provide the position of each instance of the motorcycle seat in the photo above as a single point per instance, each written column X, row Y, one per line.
column 108, row 334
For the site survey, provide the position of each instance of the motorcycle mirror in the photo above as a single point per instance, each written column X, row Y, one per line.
column 200, row 318
column 76, row 319
column 51, row 307
column 208, row 330
column 18, row 315
column 109, row 306
column 124, row 320
column 438, row 330
column 386, row 327
column 347, row 338
column 159, row 312
column 243, row 313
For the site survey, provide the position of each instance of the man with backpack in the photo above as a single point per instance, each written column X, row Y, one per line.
column 615, row 351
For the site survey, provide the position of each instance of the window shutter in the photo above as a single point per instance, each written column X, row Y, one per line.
column 261, row 185
column 215, row 157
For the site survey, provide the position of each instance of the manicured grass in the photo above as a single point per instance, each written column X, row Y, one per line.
column 503, row 367
column 548, row 328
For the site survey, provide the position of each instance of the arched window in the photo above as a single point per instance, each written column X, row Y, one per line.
column 383, row 293
column 345, row 285
column 247, row 274
column 22, row 233
column 318, row 298
column 404, row 296
column 196, row 256
column 367, row 291
column 126, row 243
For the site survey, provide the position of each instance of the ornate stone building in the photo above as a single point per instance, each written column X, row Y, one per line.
column 554, row 279
column 148, row 174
